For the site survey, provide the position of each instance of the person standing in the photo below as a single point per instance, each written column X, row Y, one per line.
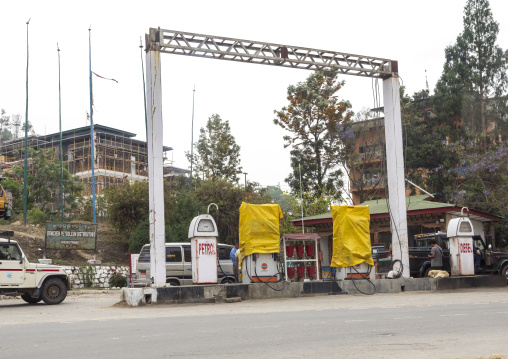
column 477, row 258
column 436, row 255
column 232, row 256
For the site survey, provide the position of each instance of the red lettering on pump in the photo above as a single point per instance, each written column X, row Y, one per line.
column 465, row 248
column 207, row 249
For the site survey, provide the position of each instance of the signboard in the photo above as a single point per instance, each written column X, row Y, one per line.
column 133, row 259
column 71, row 236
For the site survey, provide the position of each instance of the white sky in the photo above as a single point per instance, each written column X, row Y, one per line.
column 413, row 32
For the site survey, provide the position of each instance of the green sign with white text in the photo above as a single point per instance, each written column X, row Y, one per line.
column 71, row 236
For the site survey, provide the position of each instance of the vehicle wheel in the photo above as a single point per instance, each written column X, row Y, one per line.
column 504, row 271
column 27, row 297
column 426, row 272
column 53, row 291
column 228, row 281
column 173, row 282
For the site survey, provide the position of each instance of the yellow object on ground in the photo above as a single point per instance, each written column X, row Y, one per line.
column 4, row 204
column 259, row 228
column 351, row 236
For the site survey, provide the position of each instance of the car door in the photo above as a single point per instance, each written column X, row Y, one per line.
column 187, row 265
column 12, row 267
column 174, row 264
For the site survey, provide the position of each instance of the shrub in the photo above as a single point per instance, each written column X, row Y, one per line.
column 117, row 280
column 36, row 216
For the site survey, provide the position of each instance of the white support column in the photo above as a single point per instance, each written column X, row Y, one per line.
column 395, row 172
column 155, row 162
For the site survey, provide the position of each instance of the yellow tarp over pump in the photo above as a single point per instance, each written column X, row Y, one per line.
column 259, row 228
column 351, row 236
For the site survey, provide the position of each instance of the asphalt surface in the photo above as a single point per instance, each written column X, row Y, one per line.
column 460, row 324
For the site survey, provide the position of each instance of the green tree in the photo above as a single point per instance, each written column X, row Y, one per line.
column 474, row 83
column 277, row 196
column 217, row 155
column 427, row 151
column 480, row 183
column 5, row 122
column 228, row 197
column 311, row 203
column 127, row 208
column 43, row 184
column 312, row 118
column 127, row 205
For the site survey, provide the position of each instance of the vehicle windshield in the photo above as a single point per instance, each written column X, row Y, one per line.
column 478, row 243
column 424, row 242
column 144, row 255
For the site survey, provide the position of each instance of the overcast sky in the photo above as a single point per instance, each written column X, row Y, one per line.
column 413, row 32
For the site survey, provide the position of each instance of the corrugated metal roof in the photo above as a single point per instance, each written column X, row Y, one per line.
column 414, row 204
column 380, row 206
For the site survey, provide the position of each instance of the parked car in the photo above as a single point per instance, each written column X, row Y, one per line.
column 179, row 265
column 33, row 281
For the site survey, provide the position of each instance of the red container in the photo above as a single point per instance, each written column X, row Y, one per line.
column 299, row 250
column 311, row 271
column 301, row 271
column 309, row 249
column 291, row 272
column 290, row 251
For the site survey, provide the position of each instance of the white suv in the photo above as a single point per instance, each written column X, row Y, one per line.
column 35, row 282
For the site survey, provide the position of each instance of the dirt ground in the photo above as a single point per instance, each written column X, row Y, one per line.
column 112, row 249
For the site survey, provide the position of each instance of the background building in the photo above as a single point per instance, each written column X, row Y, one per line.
column 119, row 157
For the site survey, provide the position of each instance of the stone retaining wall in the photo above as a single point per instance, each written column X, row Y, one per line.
column 97, row 276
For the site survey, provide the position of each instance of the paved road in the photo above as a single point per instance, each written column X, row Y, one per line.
column 462, row 324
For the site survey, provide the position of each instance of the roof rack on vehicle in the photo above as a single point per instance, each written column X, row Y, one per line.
column 7, row 234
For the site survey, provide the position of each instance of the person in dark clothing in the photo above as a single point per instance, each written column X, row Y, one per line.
column 477, row 258
column 436, row 255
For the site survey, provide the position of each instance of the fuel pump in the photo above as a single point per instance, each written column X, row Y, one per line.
column 352, row 254
column 460, row 233
column 259, row 242
column 203, row 235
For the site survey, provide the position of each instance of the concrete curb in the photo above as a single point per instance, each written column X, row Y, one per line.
column 224, row 293
column 92, row 291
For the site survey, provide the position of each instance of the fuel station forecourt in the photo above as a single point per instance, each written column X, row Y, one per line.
column 223, row 48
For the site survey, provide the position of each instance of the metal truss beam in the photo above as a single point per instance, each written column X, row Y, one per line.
column 225, row 48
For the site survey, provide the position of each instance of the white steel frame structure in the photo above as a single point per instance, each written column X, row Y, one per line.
column 257, row 52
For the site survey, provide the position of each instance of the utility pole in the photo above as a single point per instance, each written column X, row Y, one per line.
column 25, row 176
column 60, row 123
column 92, row 140
column 192, row 136
column 245, row 188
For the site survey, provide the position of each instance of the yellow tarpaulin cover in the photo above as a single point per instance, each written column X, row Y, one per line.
column 259, row 228
column 351, row 236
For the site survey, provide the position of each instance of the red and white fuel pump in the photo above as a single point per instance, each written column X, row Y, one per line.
column 460, row 233
column 203, row 235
